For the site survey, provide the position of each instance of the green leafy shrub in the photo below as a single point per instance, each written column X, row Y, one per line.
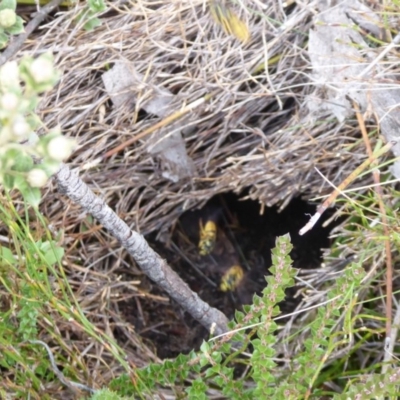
column 255, row 330
column 10, row 22
column 20, row 87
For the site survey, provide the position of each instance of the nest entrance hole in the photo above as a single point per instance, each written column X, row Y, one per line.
column 244, row 238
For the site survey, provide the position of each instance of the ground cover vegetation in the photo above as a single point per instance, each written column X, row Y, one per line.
column 199, row 200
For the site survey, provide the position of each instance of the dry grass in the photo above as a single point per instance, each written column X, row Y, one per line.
column 239, row 139
column 256, row 132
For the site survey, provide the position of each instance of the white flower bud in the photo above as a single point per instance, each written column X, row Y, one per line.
column 20, row 127
column 9, row 101
column 42, row 70
column 37, row 177
column 9, row 76
column 8, row 18
column 60, row 148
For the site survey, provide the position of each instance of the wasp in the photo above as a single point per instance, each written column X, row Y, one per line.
column 231, row 278
column 208, row 237
column 230, row 22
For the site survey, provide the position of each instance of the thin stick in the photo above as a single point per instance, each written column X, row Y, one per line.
column 383, row 53
column 389, row 348
column 331, row 199
column 145, row 257
column 378, row 190
column 194, row 266
column 70, row 384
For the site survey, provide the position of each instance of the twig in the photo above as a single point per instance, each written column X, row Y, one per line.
column 148, row 260
column 16, row 45
column 371, row 65
column 378, row 190
column 72, row 385
column 389, row 348
column 194, row 266
column 331, row 199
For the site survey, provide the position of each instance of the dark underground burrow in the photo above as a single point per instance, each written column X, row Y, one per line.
column 231, row 269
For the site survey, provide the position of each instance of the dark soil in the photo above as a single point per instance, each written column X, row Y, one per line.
column 244, row 238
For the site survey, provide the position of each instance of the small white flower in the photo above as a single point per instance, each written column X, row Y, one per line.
column 42, row 70
column 9, row 76
column 9, row 101
column 20, row 127
column 7, row 18
column 37, row 177
column 60, row 148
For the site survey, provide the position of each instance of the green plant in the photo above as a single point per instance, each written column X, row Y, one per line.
column 214, row 365
column 89, row 14
column 328, row 335
column 10, row 22
column 20, row 86
column 36, row 298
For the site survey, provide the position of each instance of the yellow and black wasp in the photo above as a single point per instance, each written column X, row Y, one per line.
column 208, row 237
column 230, row 22
column 231, row 278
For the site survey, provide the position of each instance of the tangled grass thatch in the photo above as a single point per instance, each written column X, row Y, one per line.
column 256, row 131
